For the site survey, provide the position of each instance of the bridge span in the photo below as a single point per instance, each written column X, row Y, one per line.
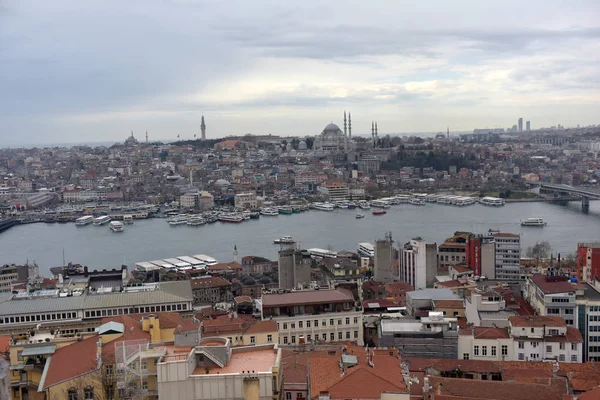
column 566, row 190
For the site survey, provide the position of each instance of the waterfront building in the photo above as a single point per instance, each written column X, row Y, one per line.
column 588, row 261
column 552, row 296
column 508, row 256
column 418, row 263
column 319, row 316
column 335, row 191
column 480, row 255
column 245, row 200
column 529, row 338
column 383, row 259
column 202, row 201
column 211, row 290
column 294, row 268
column 216, row 370
column 432, row 336
column 80, row 310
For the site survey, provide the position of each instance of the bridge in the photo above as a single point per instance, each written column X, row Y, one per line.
column 565, row 190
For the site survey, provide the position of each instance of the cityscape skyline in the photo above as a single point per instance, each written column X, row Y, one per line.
column 274, row 69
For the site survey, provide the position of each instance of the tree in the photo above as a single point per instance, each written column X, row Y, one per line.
column 539, row 251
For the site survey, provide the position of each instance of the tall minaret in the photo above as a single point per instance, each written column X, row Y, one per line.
column 235, row 253
column 203, row 128
column 146, row 137
column 376, row 134
column 349, row 126
column 448, row 132
column 345, row 123
column 373, row 133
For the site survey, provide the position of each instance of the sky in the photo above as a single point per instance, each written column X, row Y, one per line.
column 77, row 71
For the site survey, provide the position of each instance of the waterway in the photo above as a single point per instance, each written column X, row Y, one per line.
column 153, row 239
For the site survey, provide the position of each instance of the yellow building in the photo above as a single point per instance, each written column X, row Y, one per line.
column 450, row 308
column 241, row 331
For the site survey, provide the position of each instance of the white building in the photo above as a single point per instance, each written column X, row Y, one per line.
column 553, row 296
column 215, row 370
column 527, row 338
column 588, row 307
column 508, row 256
column 335, row 191
column 320, row 316
column 245, row 200
column 487, row 309
column 418, row 263
column 199, row 200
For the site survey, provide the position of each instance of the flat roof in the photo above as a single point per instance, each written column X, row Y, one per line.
column 257, row 361
column 190, row 260
column 306, row 297
column 433, row 294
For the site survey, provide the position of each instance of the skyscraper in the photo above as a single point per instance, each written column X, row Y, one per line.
column 520, row 124
column 528, row 126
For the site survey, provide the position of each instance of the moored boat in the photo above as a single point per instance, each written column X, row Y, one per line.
column 286, row 210
column 236, row 218
column 104, row 219
column 116, row 226
column 379, row 212
column 85, row 220
column 284, row 240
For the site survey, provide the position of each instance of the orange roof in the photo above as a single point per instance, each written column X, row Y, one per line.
column 449, row 303
column 132, row 331
column 531, row 321
column 213, row 281
column 582, row 377
column 4, row 343
column 256, row 360
column 70, row 362
column 485, row 333
column 262, row 327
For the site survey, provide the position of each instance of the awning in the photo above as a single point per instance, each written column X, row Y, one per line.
column 39, row 350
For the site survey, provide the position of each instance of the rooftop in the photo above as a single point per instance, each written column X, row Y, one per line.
column 551, row 286
column 209, row 282
column 307, row 297
column 257, row 361
column 432, row 294
column 449, row 303
column 69, row 362
column 532, row 321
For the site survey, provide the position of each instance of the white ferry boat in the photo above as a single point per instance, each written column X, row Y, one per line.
column 128, row 219
column 366, row 249
column 380, row 204
column 492, row 201
column 236, row 218
column 271, row 212
column 364, row 204
column 116, row 226
column 416, row 201
column 85, row 220
column 104, row 219
column 284, row 240
column 324, row 206
column 179, row 220
column 533, row 222
column 196, row 221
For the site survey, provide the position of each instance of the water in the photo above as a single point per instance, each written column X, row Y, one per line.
column 153, row 239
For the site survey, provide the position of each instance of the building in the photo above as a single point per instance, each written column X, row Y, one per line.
column 369, row 165
column 480, row 255
column 335, row 191
column 189, row 200
column 357, row 374
column 508, row 256
column 553, row 296
column 216, row 370
column 319, row 316
column 588, row 261
column 332, row 139
column 588, row 310
column 432, row 336
column 418, row 263
column 241, row 331
column 420, row 302
column 294, row 268
column 9, row 274
column 211, row 290
column 383, row 260
column 487, row 308
column 257, row 265
column 245, row 200
column 528, row 126
column 296, row 369
column 521, row 124
column 453, row 250
column 531, row 338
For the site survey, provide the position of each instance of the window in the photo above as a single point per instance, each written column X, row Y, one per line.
column 145, row 385
column 569, row 321
column 324, row 337
column 504, row 350
column 253, row 339
column 339, row 321
column 493, row 350
column 521, row 345
column 562, row 346
column 88, row 393
column 288, row 396
column 324, row 322
column 573, row 357
column 348, row 321
column 300, row 324
column 285, row 325
column 316, row 323
column 143, row 365
column 269, row 338
column 339, row 335
column 331, row 322
column 521, row 356
column 484, row 350
column 356, row 320
column 308, row 337
column 332, row 336
column 293, row 325
column 548, row 348
column 465, row 356
column 573, row 346
column 561, row 357
column 285, row 339
column 308, row 324
column 293, row 339
column 72, row 394
column 534, row 344
column 475, row 350
column 299, row 395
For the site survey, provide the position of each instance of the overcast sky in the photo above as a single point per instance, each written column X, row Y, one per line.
column 79, row 71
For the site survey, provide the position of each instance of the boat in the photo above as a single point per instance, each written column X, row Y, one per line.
column 104, row 219
column 196, row 221
column 284, row 240
column 416, row 201
column 380, row 204
column 178, row 220
column 85, row 220
column 269, row 212
column 533, row 222
column 236, row 218
column 286, row 210
column 128, row 219
column 296, row 209
column 255, row 215
column 116, row 226
column 359, row 215
column 364, row 204
column 212, row 219
column 324, row 206
column 351, row 206
column 379, row 212
column 492, row 201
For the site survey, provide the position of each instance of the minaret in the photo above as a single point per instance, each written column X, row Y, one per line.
column 203, row 128
column 373, row 133
column 376, row 134
column 345, row 123
column 146, row 137
column 235, row 253
column 448, row 132
column 349, row 126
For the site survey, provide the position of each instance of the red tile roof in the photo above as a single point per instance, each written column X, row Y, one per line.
column 71, row 361
column 449, row 303
column 262, row 327
column 485, row 333
column 531, row 321
column 307, row 297
column 550, row 286
column 582, row 377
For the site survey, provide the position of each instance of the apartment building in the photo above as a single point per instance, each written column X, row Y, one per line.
column 418, row 263
column 452, row 251
column 508, row 256
column 531, row 338
column 335, row 191
column 319, row 316
column 588, row 261
column 588, row 310
column 245, row 200
column 553, row 296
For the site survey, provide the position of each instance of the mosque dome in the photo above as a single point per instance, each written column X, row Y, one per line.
column 302, row 145
column 222, row 182
column 332, row 128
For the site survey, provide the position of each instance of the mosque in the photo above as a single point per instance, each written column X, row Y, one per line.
column 333, row 139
